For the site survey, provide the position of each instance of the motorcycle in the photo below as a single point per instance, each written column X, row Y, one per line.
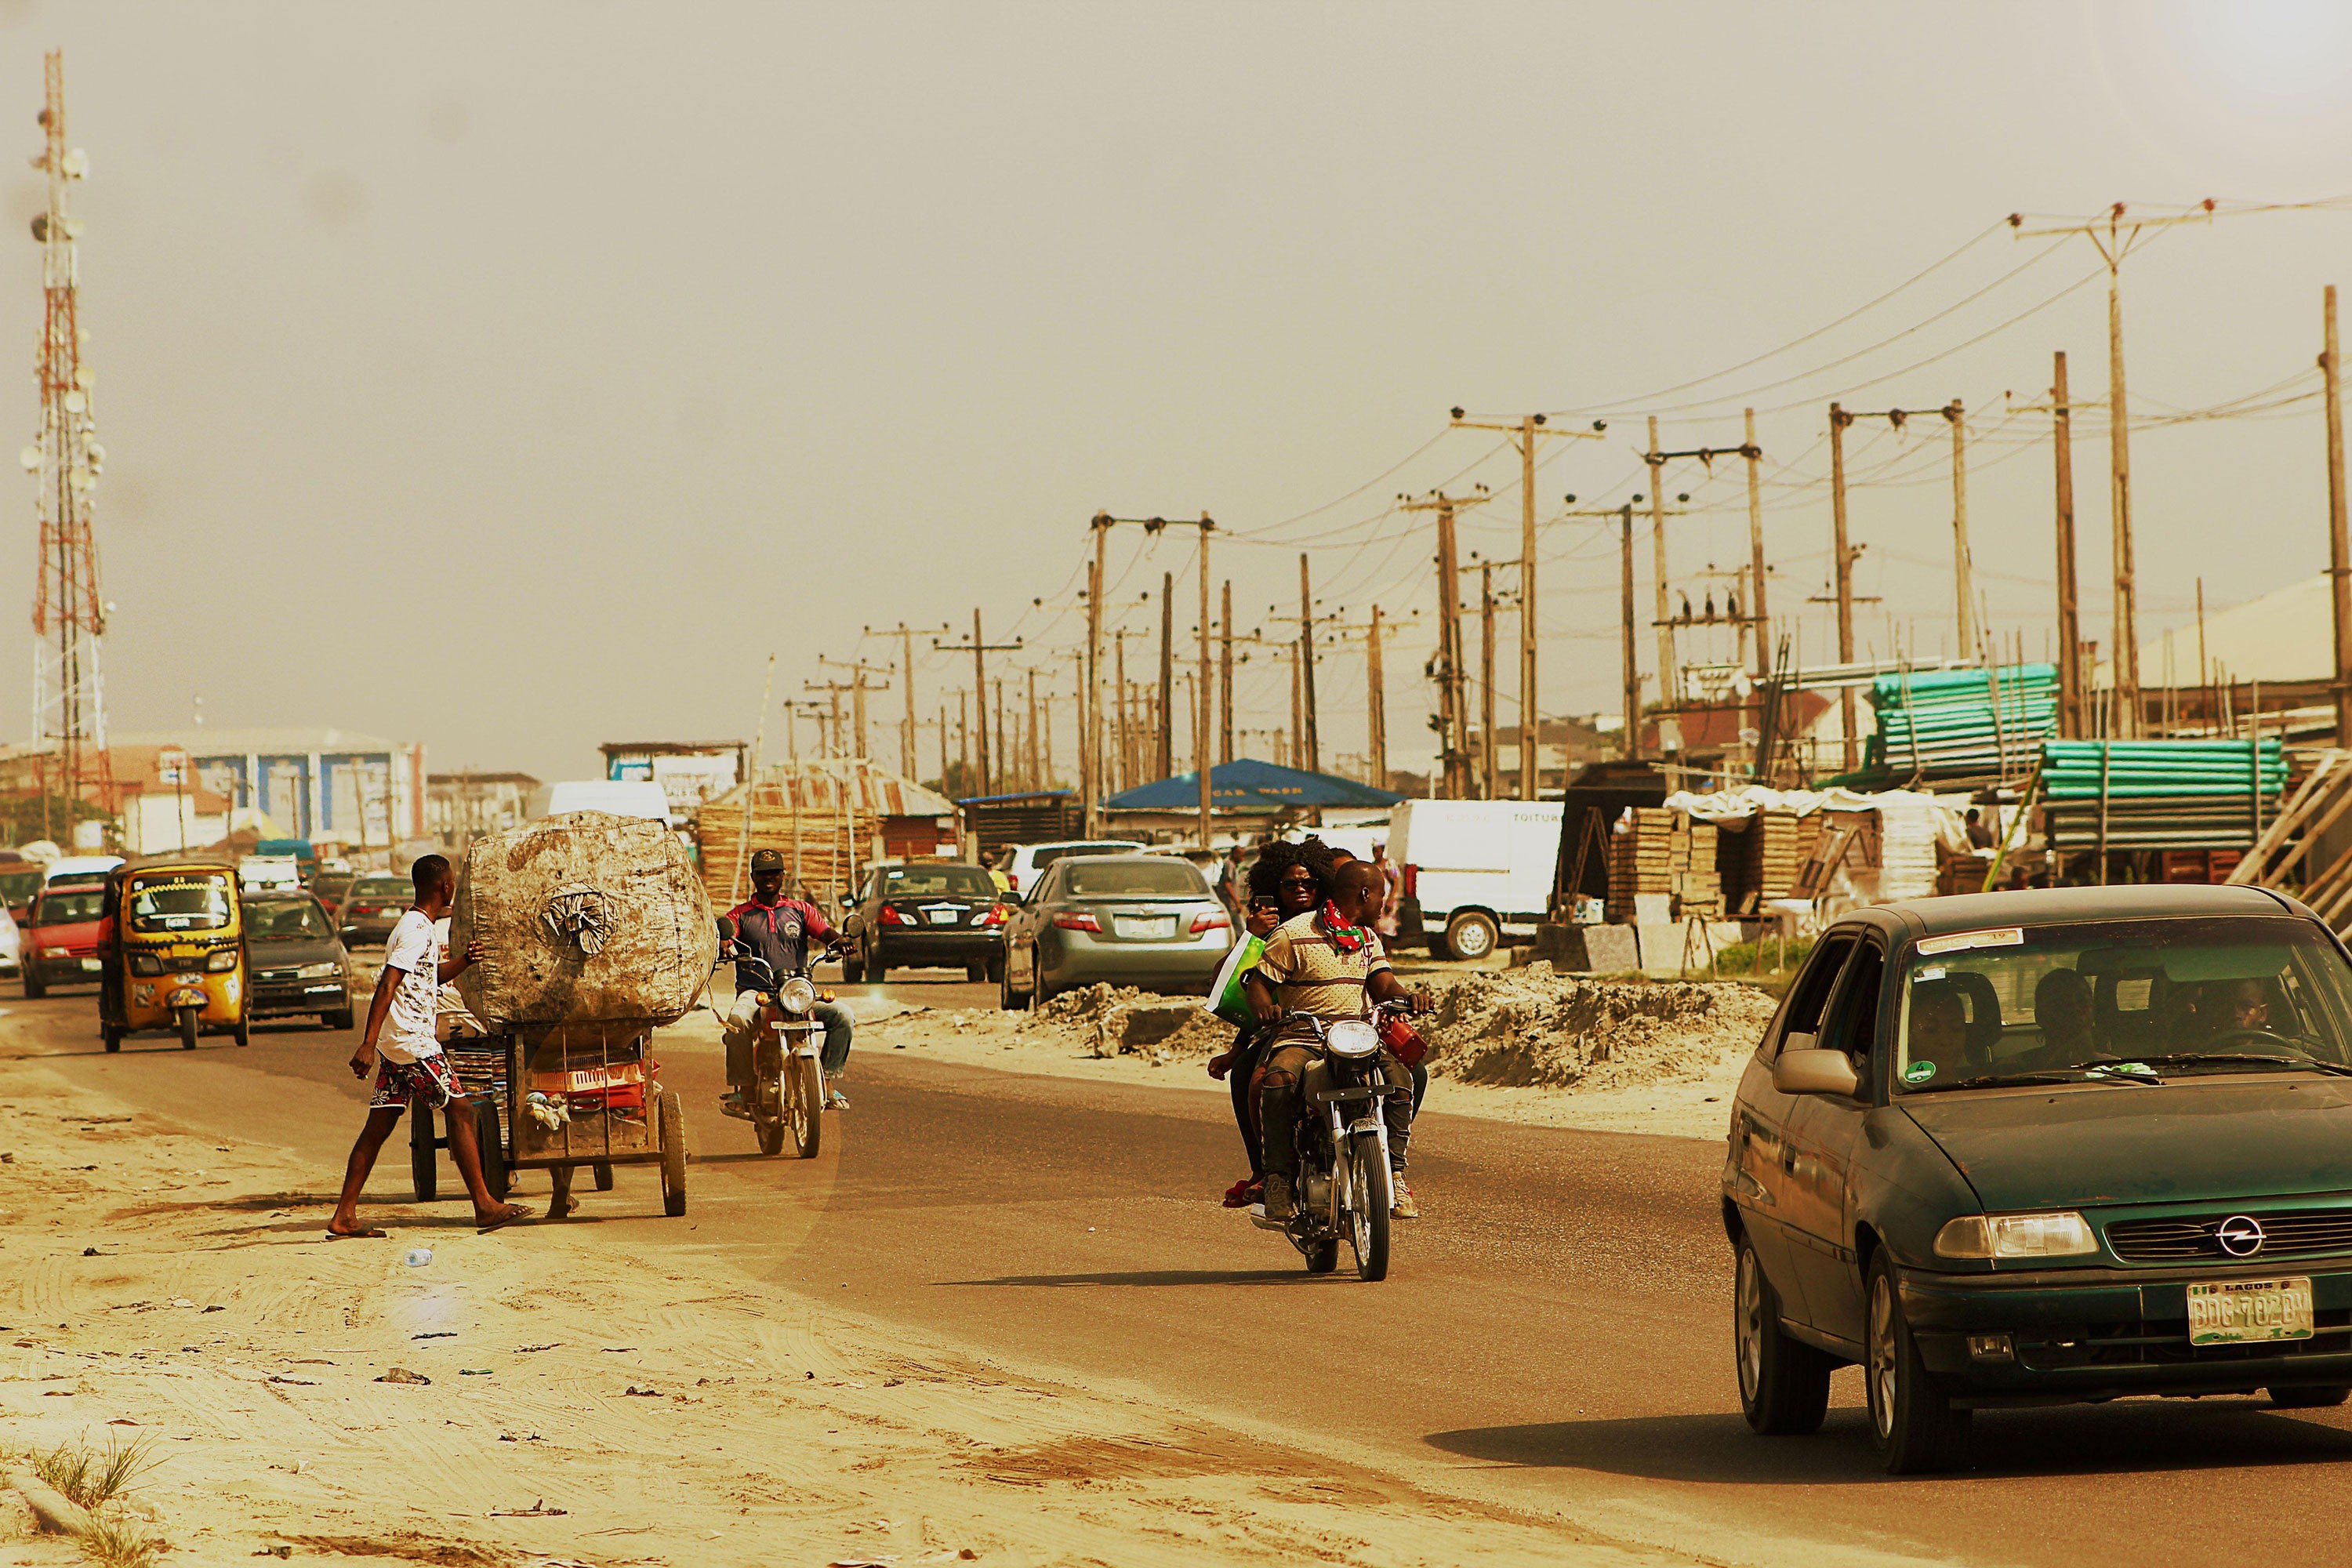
column 785, row 1100
column 1345, row 1186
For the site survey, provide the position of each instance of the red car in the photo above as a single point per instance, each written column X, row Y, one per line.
column 61, row 938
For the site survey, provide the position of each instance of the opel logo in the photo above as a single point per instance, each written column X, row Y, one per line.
column 2241, row 1235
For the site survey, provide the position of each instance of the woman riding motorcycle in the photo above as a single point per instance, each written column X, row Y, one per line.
column 1286, row 880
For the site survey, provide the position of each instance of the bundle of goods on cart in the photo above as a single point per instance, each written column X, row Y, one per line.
column 2159, row 795
column 1947, row 725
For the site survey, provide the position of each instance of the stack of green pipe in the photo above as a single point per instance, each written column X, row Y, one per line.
column 2160, row 795
column 1950, row 725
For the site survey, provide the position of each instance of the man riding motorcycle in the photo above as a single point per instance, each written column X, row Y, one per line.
column 1328, row 964
column 778, row 931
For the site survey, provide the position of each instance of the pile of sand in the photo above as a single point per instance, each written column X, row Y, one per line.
column 1531, row 1026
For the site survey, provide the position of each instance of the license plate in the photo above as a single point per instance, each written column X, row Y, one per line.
column 91, row 964
column 1144, row 926
column 2249, row 1311
column 943, row 917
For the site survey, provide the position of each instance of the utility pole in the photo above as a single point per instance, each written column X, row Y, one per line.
column 1376, row 717
column 1125, row 776
column 1310, row 747
column 1487, row 684
column 1448, row 666
column 1841, row 560
column 1624, row 517
column 1201, row 693
column 1670, row 685
column 1003, row 754
column 2115, row 237
column 1102, row 524
column 980, row 647
column 1528, row 428
column 829, row 740
column 906, row 636
column 1964, row 627
column 2339, row 550
column 1165, row 760
column 1093, row 774
column 1225, row 676
column 1757, row 611
column 2070, row 624
column 857, row 691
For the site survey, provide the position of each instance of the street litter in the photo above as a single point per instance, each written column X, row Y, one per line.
column 435, row 1334
column 536, row 1511
column 526, row 1350
column 402, row 1375
column 473, row 1371
column 642, row 1393
column 418, row 1257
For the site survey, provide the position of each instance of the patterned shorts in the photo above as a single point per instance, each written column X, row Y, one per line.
column 398, row 1084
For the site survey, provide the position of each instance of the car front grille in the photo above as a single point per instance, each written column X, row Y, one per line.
column 275, row 976
column 2302, row 1232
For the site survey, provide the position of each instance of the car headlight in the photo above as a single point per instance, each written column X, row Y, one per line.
column 222, row 961
column 2065, row 1234
column 326, row 971
column 141, row 963
column 796, row 994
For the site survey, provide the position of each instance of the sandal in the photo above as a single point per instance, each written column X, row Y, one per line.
column 1244, row 1192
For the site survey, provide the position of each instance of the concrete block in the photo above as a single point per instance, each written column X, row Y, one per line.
column 1594, row 950
column 1147, row 1024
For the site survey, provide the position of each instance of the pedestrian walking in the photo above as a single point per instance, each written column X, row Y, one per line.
column 401, row 1036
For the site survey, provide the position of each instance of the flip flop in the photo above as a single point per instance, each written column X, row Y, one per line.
column 369, row 1234
column 519, row 1211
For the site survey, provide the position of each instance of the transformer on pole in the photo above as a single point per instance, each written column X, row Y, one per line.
column 68, row 616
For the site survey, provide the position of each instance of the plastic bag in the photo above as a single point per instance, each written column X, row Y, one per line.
column 1227, row 999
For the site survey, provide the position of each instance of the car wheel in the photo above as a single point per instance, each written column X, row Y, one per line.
column 1472, row 935
column 975, row 973
column 1008, row 998
column 875, row 972
column 2307, row 1398
column 1915, row 1427
column 34, row 988
column 1784, row 1384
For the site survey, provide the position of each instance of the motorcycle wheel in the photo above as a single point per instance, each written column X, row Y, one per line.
column 772, row 1136
column 804, row 1100
column 1369, row 1195
column 1322, row 1257
column 188, row 1028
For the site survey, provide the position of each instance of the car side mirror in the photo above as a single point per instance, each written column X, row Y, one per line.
column 853, row 926
column 1808, row 1069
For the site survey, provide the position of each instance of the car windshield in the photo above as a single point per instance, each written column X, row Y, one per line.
column 2104, row 997
column 1132, row 880
column 1045, row 858
column 16, row 887
column 71, row 907
column 288, row 920
column 194, row 902
column 933, row 882
column 380, row 888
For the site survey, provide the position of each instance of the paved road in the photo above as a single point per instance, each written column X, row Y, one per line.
column 1554, row 1334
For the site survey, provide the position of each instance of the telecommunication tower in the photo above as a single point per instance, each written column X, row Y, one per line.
column 68, row 616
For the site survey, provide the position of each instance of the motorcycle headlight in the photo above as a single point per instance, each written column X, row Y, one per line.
column 2065, row 1234
column 796, row 994
column 223, row 960
column 141, row 963
column 1351, row 1039
column 326, row 971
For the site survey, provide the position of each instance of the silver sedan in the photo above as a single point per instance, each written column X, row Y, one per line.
column 1147, row 921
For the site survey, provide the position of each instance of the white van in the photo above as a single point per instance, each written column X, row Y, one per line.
column 1472, row 867
column 79, row 870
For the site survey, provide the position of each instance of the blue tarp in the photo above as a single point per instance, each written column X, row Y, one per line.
column 1247, row 785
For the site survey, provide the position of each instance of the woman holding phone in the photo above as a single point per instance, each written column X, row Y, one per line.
column 1286, row 879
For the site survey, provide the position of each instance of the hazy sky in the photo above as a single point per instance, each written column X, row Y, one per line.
column 518, row 377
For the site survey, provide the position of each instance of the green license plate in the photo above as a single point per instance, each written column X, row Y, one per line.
column 2249, row 1311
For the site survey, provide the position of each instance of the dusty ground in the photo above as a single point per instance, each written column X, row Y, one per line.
column 586, row 1403
column 1522, row 1045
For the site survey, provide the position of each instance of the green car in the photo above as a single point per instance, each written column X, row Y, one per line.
column 2034, row 1147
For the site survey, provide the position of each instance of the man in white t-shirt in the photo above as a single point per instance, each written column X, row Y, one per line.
column 400, row 1030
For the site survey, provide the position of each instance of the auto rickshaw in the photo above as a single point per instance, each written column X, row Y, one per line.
column 171, row 950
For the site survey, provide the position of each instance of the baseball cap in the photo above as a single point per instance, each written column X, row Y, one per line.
column 766, row 861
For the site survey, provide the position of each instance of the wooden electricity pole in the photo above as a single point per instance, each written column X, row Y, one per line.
column 1757, row 611
column 1525, row 431
column 1487, row 684
column 1309, row 746
column 906, row 636
column 1376, row 710
column 1841, row 561
column 2339, row 550
column 1632, row 722
column 980, row 647
column 1037, row 774
column 2069, row 624
column 1963, row 587
column 859, row 670
column 1103, row 523
column 1225, row 676
column 1449, row 666
column 1164, row 758
column 1670, row 685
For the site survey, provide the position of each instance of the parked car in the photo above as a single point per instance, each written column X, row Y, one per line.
column 1022, row 863
column 927, row 914
column 330, row 885
column 372, row 907
column 1131, row 920
column 255, row 873
column 294, row 962
column 61, row 942
column 18, row 882
column 1471, row 867
column 12, row 944
column 80, row 872
column 2027, row 1148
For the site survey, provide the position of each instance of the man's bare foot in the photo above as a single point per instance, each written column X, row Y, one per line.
column 354, row 1232
column 488, row 1220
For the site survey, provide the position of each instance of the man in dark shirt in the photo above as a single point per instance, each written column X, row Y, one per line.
column 778, row 931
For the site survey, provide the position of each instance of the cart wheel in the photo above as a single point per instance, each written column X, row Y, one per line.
column 563, row 1203
column 188, row 1028
column 486, row 1138
column 603, row 1171
column 245, row 1031
column 420, row 1149
column 672, row 1154
column 805, row 1104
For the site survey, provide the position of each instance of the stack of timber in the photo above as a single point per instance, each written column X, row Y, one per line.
column 1956, row 726
column 825, row 818
column 1778, row 845
column 2160, row 795
column 2297, row 851
column 1663, row 854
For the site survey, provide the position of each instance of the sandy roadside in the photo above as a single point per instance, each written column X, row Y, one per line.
column 587, row 1402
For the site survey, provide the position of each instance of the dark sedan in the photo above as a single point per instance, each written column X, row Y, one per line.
column 1149, row 920
column 293, row 962
column 373, row 906
column 2028, row 1148
column 929, row 914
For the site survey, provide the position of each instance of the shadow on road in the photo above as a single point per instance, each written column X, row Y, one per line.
column 2110, row 1440
column 1151, row 1277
